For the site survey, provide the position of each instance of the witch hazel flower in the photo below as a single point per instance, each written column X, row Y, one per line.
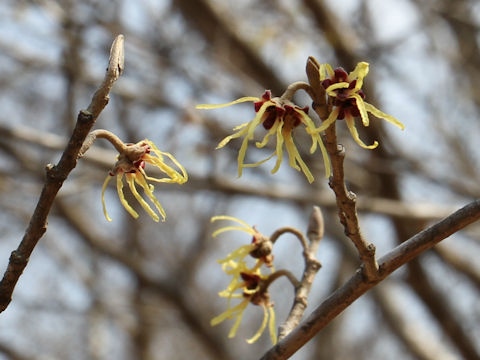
column 252, row 290
column 259, row 248
column 347, row 97
column 248, row 283
column 130, row 166
column 279, row 116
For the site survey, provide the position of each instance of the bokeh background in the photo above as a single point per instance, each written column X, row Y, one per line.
column 144, row 290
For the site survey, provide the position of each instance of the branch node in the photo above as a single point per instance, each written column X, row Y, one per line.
column 17, row 259
column 371, row 249
column 85, row 117
column 352, row 196
column 340, row 150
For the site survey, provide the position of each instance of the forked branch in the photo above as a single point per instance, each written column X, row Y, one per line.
column 358, row 284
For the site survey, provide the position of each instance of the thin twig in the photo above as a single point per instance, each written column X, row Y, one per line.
column 287, row 229
column 294, row 87
column 358, row 284
column 57, row 174
column 347, row 205
column 101, row 134
column 274, row 276
column 315, row 233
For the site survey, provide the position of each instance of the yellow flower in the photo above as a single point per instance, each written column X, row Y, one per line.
column 131, row 165
column 259, row 248
column 279, row 116
column 251, row 292
column 348, row 100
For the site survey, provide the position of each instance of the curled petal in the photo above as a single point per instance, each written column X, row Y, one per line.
column 359, row 73
column 271, row 325
column 227, row 139
column 259, row 162
column 104, row 187
column 361, row 108
column 157, row 161
column 241, row 126
column 294, row 156
column 273, row 129
column 330, row 120
column 121, row 196
column 326, row 68
column 381, row 115
column 239, row 253
column 216, row 106
column 238, row 320
column 353, row 130
column 148, row 190
column 331, row 89
column 262, row 327
column 279, row 148
column 326, row 160
column 229, row 313
column 146, row 207
column 225, row 217
column 249, row 134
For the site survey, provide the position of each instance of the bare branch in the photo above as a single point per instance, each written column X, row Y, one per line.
column 358, row 285
column 315, row 233
column 57, row 174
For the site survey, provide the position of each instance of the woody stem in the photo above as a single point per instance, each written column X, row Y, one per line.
column 291, row 230
column 293, row 87
column 274, row 276
column 102, row 134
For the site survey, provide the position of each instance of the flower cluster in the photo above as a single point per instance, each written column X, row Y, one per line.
column 346, row 94
column 248, row 283
column 131, row 164
column 279, row 116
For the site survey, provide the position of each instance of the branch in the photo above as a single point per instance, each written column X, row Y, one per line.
column 358, row 284
column 347, row 205
column 346, row 200
column 315, row 233
column 57, row 174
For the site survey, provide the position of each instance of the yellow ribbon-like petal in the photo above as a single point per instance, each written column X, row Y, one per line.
column 330, row 120
column 216, row 106
column 353, row 131
column 229, row 313
column 359, row 73
column 104, row 187
column 227, row 139
column 262, row 327
column 340, row 85
column 294, row 156
column 361, row 107
column 148, row 190
column 146, row 207
column 381, row 115
column 326, row 68
column 271, row 325
column 278, row 148
column 249, row 134
column 273, row 129
column 225, row 217
column 238, row 320
column 157, row 161
column 121, row 196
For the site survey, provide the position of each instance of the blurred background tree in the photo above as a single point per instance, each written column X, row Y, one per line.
column 141, row 290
